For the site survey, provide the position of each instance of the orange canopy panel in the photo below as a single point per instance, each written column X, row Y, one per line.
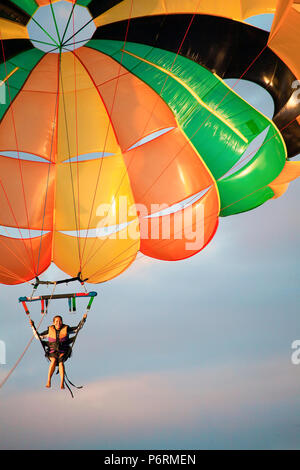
column 134, row 109
column 24, row 259
column 35, row 182
column 166, row 170
column 29, row 123
column 181, row 234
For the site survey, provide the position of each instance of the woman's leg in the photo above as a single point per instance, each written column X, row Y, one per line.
column 61, row 368
column 51, row 370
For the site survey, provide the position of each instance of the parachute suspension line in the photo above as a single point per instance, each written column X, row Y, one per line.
column 117, row 264
column 77, row 146
column 29, row 342
column 173, row 63
column 14, row 254
column 124, row 261
column 107, row 132
column 10, row 206
column 98, row 177
column 18, row 153
column 77, row 31
column 55, row 22
column 211, row 215
column 55, row 122
column 102, row 271
column 10, row 273
column 155, row 104
column 67, row 25
column 69, row 151
column 245, row 71
column 187, row 143
column 197, row 130
column 206, row 119
column 16, row 222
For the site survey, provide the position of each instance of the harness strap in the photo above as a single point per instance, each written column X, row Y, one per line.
column 70, row 383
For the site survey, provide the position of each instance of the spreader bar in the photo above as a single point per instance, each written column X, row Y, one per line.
column 57, row 296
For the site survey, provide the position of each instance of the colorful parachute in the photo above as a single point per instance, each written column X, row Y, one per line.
column 86, row 182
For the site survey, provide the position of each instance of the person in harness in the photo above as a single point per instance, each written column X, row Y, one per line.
column 58, row 344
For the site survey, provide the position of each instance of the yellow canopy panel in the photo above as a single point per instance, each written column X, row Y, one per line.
column 284, row 37
column 235, row 9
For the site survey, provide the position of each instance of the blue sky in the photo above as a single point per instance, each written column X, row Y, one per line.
column 193, row 354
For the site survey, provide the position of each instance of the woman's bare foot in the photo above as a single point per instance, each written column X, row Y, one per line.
column 62, row 386
column 48, row 385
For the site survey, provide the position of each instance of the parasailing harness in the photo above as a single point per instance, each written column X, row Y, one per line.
column 72, row 301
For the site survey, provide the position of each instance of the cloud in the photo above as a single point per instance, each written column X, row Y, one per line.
column 158, row 410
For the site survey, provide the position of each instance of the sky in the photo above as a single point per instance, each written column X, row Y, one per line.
column 194, row 354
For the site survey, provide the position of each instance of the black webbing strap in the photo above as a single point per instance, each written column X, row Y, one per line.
column 43, row 343
column 70, row 383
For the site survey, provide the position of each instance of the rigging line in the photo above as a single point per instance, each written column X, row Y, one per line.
column 69, row 151
column 77, row 145
column 28, row 344
column 180, row 204
column 193, row 135
column 191, row 92
column 185, row 35
column 13, row 252
column 244, row 73
column 160, row 241
column 55, row 23
column 14, row 217
column 10, row 273
column 42, row 42
column 157, row 99
column 173, row 63
column 184, row 147
column 52, row 50
column 108, row 127
column 45, row 31
column 78, row 31
column 154, row 243
column 18, row 152
column 166, row 242
column 67, row 25
column 19, row 160
column 69, row 44
column 209, row 215
column 100, row 166
column 100, row 271
column 187, row 143
column 54, row 128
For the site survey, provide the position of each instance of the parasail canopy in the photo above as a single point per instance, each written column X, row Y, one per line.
column 118, row 134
